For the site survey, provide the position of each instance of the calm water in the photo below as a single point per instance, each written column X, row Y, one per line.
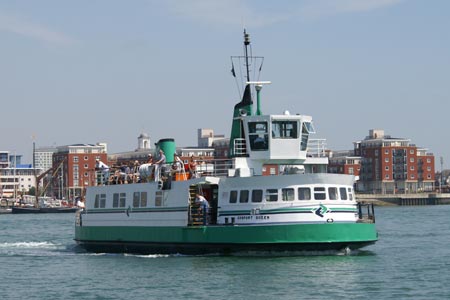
column 39, row 260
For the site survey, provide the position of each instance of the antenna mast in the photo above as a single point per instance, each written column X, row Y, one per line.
column 246, row 45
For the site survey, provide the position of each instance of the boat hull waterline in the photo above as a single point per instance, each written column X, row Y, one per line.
column 226, row 239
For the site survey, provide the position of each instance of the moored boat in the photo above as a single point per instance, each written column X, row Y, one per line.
column 299, row 207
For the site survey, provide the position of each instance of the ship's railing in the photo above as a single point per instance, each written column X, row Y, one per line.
column 316, row 148
column 366, row 212
column 240, row 147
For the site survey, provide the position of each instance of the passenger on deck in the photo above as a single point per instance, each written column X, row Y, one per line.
column 80, row 203
column 150, row 159
column 203, row 206
column 135, row 172
column 192, row 167
column 103, row 169
column 178, row 164
column 159, row 164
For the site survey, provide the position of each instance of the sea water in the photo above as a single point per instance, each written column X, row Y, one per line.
column 411, row 260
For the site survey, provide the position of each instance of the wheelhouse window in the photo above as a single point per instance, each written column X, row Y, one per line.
column 233, row 196
column 285, row 129
column 304, row 193
column 333, row 193
column 258, row 136
column 257, row 195
column 271, row 195
column 243, row 196
column 307, row 128
column 287, row 194
column 320, row 193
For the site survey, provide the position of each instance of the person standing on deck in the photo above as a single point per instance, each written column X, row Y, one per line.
column 203, row 207
column 104, row 170
column 159, row 164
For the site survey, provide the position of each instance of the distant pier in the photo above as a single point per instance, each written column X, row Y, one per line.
column 405, row 199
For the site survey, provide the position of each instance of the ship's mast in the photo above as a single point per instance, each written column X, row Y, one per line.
column 246, row 45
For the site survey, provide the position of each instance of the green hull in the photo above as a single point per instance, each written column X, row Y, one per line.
column 226, row 239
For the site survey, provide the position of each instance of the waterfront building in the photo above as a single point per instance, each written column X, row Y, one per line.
column 393, row 165
column 344, row 162
column 43, row 157
column 74, row 168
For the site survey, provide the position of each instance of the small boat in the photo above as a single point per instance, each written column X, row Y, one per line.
column 296, row 207
column 45, row 205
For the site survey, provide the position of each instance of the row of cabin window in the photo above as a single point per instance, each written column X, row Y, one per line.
column 288, row 194
column 140, row 199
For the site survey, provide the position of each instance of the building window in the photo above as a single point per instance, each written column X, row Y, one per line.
column 412, row 176
column 386, row 151
column 428, row 160
column 411, row 159
column 386, row 159
column 376, row 152
column 86, row 166
column 428, row 168
column 429, row 176
column 412, row 168
column 351, row 171
column 411, row 151
column 86, row 158
column 75, row 159
column 386, row 176
column 386, row 168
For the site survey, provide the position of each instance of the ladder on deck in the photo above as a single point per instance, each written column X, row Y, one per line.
column 197, row 216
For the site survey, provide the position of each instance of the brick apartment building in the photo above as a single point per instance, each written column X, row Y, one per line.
column 393, row 165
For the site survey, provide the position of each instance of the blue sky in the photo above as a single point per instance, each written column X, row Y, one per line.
column 105, row 71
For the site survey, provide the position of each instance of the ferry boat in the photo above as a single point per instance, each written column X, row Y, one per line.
column 298, row 208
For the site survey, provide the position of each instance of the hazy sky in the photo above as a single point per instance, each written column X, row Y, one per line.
column 105, row 71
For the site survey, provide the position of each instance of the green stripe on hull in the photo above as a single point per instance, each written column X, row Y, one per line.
column 296, row 236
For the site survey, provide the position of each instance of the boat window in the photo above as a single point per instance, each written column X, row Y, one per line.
column 305, row 137
column 136, row 199
column 319, row 193
column 243, row 196
column 100, row 201
column 233, row 196
column 287, row 194
column 143, row 199
column 158, row 198
column 257, row 195
column 304, row 193
column 258, row 136
column 119, row 199
column 271, row 195
column 350, row 193
column 343, row 192
column 333, row 193
column 284, row 129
